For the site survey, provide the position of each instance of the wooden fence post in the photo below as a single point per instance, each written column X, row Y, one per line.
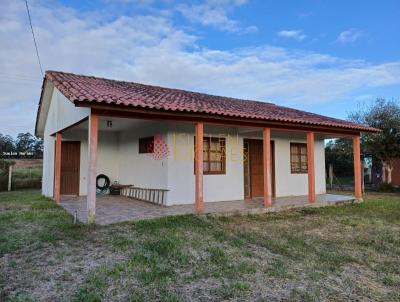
column 10, row 170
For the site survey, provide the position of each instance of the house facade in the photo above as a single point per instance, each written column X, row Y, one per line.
column 196, row 147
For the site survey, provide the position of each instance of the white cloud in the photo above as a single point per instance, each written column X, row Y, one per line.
column 293, row 34
column 306, row 14
column 151, row 49
column 350, row 36
column 365, row 97
column 215, row 13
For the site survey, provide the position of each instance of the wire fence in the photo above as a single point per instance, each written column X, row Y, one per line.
column 23, row 174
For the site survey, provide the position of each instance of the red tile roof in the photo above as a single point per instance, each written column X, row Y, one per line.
column 80, row 88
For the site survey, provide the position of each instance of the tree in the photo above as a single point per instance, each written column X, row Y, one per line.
column 6, row 145
column 38, row 148
column 384, row 145
column 25, row 144
column 339, row 153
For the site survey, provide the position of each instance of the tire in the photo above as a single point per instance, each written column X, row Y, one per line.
column 106, row 184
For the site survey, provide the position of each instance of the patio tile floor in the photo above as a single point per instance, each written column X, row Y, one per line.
column 113, row 209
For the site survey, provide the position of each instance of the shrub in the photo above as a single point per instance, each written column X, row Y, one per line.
column 31, row 183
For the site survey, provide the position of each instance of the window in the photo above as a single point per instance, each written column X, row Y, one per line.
column 146, row 144
column 213, row 155
column 298, row 158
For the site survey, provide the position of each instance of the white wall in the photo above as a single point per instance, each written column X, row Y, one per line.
column 288, row 184
column 62, row 113
column 107, row 156
column 230, row 186
column 48, row 165
column 181, row 179
column 141, row 169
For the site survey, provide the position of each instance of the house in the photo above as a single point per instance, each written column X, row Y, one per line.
column 396, row 173
column 380, row 174
column 194, row 147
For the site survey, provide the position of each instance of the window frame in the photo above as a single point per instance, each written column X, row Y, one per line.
column 146, row 139
column 298, row 154
column 222, row 142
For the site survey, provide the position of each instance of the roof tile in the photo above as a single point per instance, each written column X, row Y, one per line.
column 80, row 88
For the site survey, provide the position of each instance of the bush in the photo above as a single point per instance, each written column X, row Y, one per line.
column 3, row 181
column 31, row 183
column 386, row 187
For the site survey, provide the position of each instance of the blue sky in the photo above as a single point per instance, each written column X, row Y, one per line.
column 327, row 57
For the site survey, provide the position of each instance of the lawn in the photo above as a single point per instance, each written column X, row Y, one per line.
column 350, row 252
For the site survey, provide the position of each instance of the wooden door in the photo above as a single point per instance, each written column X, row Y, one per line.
column 254, row 177
column 70, row 162
column 246, row 169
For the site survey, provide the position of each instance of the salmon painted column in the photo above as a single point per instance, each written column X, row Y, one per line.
column 267, row 167
column 199, row 168
column 57, row 169
column 311, row 167
column 92, row 167
column 357, row 168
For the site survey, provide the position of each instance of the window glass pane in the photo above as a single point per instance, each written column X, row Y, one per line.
column 146, row 144
column 206, row 145
column 223, row 152
column 214, row 145
column 215, row 166
column 298, row 157
column 215, row 155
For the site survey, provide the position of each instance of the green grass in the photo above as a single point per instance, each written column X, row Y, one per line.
column 335, row 253
column 28, row 220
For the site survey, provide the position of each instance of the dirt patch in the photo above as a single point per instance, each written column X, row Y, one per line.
column 55, row 270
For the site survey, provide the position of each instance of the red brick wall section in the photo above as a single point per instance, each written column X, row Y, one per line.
column 396, row 173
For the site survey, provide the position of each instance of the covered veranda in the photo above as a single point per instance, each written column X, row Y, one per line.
column 110, row 209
